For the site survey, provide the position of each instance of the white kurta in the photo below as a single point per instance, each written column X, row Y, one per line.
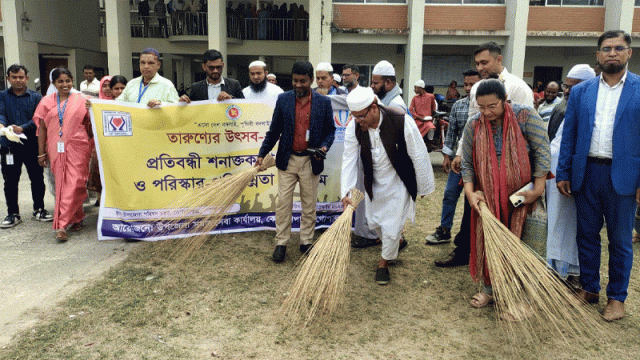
column 392, row 205
column 562, row 249
column 269, row 94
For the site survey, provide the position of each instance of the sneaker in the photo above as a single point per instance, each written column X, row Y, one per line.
column 441, row 236
column 42, row 215
column 10, row 221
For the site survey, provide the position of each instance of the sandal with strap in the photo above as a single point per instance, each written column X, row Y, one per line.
column 481, row 300
column 61, row 236
column 517, row 313
column 635, row 238
column 76, row 227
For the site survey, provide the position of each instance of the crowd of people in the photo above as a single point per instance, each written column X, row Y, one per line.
column 502, row 148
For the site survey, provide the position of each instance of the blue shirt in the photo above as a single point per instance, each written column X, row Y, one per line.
column 18, row 110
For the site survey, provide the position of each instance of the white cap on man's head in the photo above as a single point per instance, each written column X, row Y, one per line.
column 324, row 66
column 384, row 68
column 258, row 63
column 337, row 77
column 581, row 72
column 360, row 98
column 420, row 83
column 271, row 76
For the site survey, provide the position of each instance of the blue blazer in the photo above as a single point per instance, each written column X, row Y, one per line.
column 578, row 128
column 321, row 128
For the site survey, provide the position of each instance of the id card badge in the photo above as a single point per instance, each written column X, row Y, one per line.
column 60, row 146
column 9, row 159
column 306, row 137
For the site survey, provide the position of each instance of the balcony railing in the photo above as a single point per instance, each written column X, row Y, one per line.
column 268, row 29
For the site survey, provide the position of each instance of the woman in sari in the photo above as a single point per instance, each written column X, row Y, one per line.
column 505, row 148
column 63, row 138
column 94, row 184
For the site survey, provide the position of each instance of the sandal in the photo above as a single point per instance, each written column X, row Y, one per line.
column 61, row 235
column 360, row 242
column 76, row 227
column 481, row 300
column 635, row 238
column 517, row 313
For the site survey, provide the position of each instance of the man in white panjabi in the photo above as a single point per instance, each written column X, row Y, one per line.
column 259, row 88
column 383, row 83
column 396, row 168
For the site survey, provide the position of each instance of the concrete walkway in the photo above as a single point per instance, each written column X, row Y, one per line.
column 37, row 272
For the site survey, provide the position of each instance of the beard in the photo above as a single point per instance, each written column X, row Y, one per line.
column 348, row 85
column 259, row 87
column 381, row 93
column 322, row 91
column 301, row 93
column 613, row 68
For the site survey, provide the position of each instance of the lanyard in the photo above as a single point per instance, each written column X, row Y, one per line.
column 141, row 92
column 61, row 112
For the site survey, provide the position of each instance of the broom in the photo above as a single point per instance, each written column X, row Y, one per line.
column 209, row 204
column 320, row 282
column 528, row 294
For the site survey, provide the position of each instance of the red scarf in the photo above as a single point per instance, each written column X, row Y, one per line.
column 498, row 180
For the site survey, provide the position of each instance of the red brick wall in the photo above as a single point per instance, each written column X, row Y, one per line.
column 369, row 16
column 559, row 18
column 635, row 27
column 461, row 17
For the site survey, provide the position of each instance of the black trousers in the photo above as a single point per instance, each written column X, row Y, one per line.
column 462, row 241
column 28, row 155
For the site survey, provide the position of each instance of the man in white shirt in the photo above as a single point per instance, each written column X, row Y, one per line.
column 550, row 101
column 259, row 88
column 396, row 169
column 272, row 78
column 383, row 83
column 91, row 85
column 350, row 76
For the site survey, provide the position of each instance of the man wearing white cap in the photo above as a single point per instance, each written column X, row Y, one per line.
column 272, row 78
column 324, row 80
column 422, row 107
column 562, row 249
column 396, row 170
column 383, row 83
column 259, row 88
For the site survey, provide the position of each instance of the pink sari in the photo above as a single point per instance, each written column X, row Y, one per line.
column 70, row 168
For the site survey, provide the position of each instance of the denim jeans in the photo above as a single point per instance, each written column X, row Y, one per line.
column 450, row 200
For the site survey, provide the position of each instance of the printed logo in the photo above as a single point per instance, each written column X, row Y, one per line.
column 233, row 112
column 341, row 118
column 116, row 123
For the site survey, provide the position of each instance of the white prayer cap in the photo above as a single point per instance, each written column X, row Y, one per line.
column 324, row 66
column 258, row 63
column 384, row 68
column 271, row 75
column 360, row 98
column 581, row 72
column 336, row 77
column 420, row 83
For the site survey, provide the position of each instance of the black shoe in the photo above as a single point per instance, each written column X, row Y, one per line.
column 382, row 276
column 278, row 253
column 10, row 221
column 403, row 244
column 452, row 260
column 42, row 215
column 441, row 236
column 305, row 248
column 362, row 242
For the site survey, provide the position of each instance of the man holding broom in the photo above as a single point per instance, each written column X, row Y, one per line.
column 396, row 169
column 303, row 122
column 599, row 165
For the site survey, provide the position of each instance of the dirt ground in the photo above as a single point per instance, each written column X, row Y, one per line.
column 222, row 304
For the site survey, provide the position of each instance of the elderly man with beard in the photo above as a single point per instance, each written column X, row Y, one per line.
column 302, row 119
column 215, row 86
column 383, row 83
column 324, row 79
column 599, row 166
column 396, row 170
column 550, row 101
column 259, row 88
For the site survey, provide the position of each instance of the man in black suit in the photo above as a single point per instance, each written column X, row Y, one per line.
column 214, row 86
column 302, row 119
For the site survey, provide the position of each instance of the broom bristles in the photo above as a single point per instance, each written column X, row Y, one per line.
column 527, row 290
column 208, row 205
column 318, row 287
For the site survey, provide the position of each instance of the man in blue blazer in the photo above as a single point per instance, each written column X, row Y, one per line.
column 599, row 165
column 302, row 120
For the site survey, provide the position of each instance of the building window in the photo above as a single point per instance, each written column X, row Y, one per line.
column 569, row 2
column 465, row 2
column 370, row 2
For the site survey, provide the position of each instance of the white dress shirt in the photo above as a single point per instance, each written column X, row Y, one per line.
column 214, row 89
column 606, row 107
column 92, row 88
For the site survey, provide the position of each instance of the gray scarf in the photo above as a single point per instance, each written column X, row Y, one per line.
column 386, row 100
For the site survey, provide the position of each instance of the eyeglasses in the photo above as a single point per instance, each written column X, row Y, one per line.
column 215, row 67
column 618, row 49
column 566, row 87
column 363, row 116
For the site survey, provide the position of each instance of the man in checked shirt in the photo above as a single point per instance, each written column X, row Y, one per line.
column 457, row 121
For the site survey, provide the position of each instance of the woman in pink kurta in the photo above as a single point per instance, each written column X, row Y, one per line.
column 63, row 137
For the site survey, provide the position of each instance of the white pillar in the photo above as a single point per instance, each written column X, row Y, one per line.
column 217, row 25
column 320, row 17
column 413, row 52
column 516, row 19
column 118, row 26
column 16, row 50
column 618, row 15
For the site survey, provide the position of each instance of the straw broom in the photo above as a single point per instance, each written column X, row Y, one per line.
column 528, row 294
column 208, row 205
column 319, row 285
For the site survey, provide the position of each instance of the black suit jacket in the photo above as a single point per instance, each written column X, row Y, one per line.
column 199, row 90
column 321, row 128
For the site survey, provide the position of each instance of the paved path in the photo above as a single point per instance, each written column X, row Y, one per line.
column 37, row 272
